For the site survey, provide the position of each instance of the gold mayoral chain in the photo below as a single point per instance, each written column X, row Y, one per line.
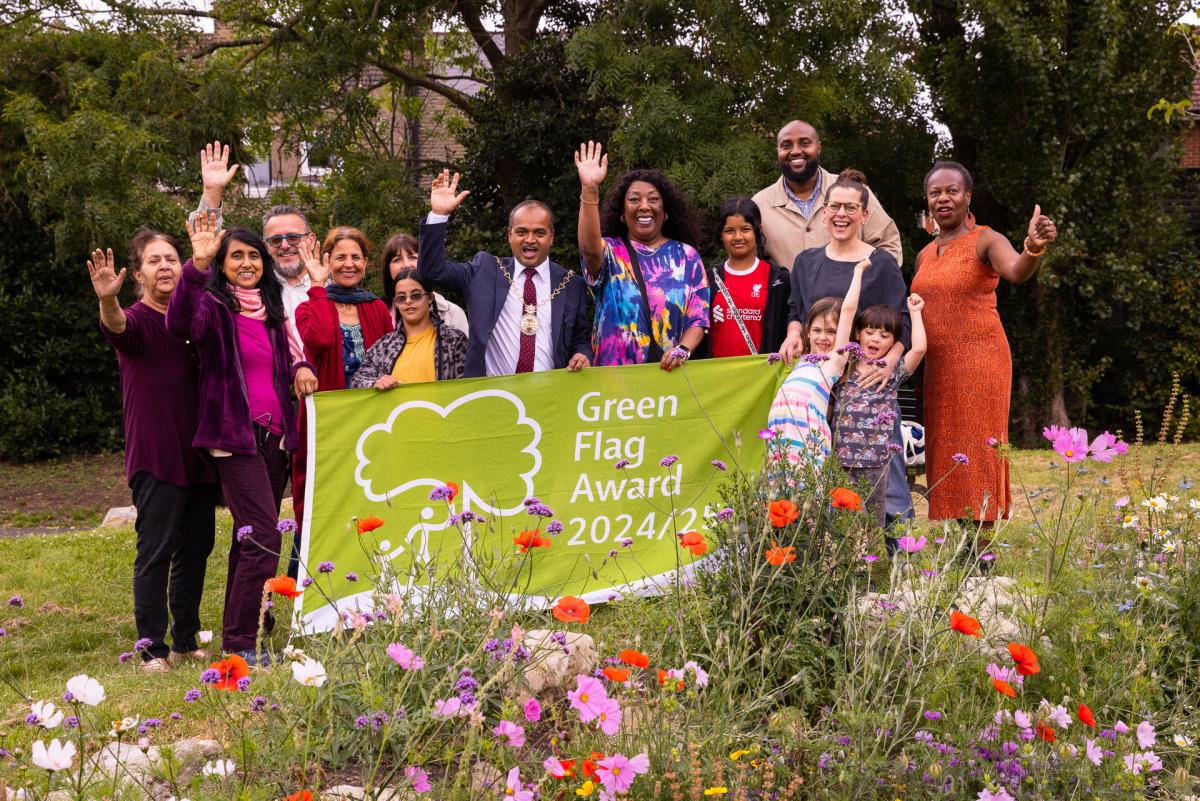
column 529, row 320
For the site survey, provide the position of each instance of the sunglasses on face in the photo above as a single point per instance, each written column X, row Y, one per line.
column 279, row 239
column 415, row 297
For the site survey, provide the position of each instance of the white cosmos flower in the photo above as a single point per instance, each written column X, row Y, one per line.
column 56, row 756
column 205, row 637
column 310, row 673
column 219, row 768
column 47, row 714
column 85, row 690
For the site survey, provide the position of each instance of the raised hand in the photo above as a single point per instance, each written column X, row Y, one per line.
column 444, row 196
column 592, row 166
column 205, row 239
column 309, row 251
column 215, row 172
column 105, row 279
column 915, row 302
column 1041, row 229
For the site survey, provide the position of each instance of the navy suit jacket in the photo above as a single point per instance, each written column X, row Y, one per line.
column 484, row 289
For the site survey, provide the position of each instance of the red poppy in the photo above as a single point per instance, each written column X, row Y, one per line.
column 531, row 539
column 282, row 585
column 303, row 795
column 964, row 624
column 1004, row 688
column 450, row 485
column 570, row 609
column 616, row 674
column 589, row 766
column 1045, row 732
column 1025, row 658
column 369, row 523
column 778, row 556
column 782, row 513
column 846, row 499
column 1085, row 716
column 634, row 658
column 694, row 542
column 231, row 668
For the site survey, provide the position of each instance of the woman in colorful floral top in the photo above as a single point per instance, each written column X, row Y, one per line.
column 646, row 223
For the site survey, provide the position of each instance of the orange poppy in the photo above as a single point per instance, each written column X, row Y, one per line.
column 634, row 658
column 964, row 624
column 616, row 674
column 1025, row 658
column 1085, row 716
column 531, row 539
column 694, row 542
column 846, row 499
column 782, row 513
column 568, row 767
column 589, row 766
column 453, row 489
column 778, row 556
column 231, row 668
column 303, row 795
column 369, row 523
column 1045, row 732
column 570, row 609
column 282, row 585
column 1004, row 688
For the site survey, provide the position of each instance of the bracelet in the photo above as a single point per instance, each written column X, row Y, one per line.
column 681, row 352
column 1030, row 251
column 583, row 199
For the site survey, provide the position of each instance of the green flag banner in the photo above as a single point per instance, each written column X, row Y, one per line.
column 554, row 435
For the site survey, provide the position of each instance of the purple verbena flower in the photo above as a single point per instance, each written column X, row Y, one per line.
column 814, row 358
column 258, row 703
column 286, row 526
column 17, row 601
column 243, row 684
column 621, row 464
column 539, row 509
column 142, row 644
column 125, row 657
column 725, row 514
column 960, row 458
column 210, row 676
column 554, row 527
column 243, row 532
column 361, row 722
column 325, row 567
column 176, row 716
column 71, row 722
column 717, row 463
column 307, row 582
column 773, row 358
column 351, row 576
column 531, row 500
column 193, row 695
column 667, row 461
column 442, row 493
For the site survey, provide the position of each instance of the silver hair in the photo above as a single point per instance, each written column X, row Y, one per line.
column 282, row 210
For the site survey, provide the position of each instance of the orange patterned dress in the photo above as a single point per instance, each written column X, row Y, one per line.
column 968, row 381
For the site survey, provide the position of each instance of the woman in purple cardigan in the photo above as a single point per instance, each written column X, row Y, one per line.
column 249, row 364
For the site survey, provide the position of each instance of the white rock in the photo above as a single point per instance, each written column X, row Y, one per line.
column 120, row 516
column 549, row 669
column 486, row 778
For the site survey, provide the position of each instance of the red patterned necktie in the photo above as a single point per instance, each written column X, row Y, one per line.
column 528, row 341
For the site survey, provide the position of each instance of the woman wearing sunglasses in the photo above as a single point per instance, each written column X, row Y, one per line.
column 422, row 348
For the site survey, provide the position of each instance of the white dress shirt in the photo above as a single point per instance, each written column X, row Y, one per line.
column 504, row 347
column 293, row 296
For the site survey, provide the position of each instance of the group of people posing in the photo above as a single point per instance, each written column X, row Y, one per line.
column 217, row 349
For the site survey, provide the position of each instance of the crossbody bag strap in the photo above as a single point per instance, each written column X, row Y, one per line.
column 733, row 309
column 656, row 352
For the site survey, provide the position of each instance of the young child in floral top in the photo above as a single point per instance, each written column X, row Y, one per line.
column 865, row 415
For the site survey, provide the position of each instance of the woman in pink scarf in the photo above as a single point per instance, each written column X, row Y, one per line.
column 250, row 364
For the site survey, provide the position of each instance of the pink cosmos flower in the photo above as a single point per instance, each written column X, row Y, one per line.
column 1105, row 446
column 512, row 734
column 609, row 717
column 999, row 795
column 1121, row 502
column 1120, row 727
column 1072, row 445
column 514, row 790
column 1145, row 734
column 587, row 697
column 910, row 545
column 618, row 771
column 869, row 557
column 1146, row 761
column 419, row 779
column 532, row 710
column 404, row 657
column 1053, row 432
column 1022, row 719
column 1093, row 752
column 700, row 674
column 451, row 708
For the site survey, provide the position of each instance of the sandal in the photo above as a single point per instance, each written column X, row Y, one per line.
column 155, row 665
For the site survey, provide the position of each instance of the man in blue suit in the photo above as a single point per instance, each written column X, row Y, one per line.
column 526, row 312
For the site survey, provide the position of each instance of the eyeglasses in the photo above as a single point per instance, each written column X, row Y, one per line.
column 849, row 208
column 415, row 297
column 292, row 239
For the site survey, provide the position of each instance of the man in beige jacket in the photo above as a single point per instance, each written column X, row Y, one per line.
column 791, row 207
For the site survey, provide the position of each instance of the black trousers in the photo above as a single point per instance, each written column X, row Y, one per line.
column 253, row 487
column 175, row 532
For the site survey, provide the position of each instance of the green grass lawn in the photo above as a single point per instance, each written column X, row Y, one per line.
column 78, row 600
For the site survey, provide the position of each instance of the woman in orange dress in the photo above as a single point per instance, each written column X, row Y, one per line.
column 968, row 366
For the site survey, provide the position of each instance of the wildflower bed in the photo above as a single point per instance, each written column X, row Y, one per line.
column 1055, row 657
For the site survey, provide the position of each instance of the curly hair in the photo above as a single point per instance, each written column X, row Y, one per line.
column 680, row 223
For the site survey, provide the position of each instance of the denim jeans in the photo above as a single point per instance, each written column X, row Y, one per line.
column 899, row 498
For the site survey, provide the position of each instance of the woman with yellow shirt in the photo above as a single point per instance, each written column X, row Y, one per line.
column 422, row 348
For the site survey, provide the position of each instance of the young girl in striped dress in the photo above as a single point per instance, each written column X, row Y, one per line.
column 800, row 410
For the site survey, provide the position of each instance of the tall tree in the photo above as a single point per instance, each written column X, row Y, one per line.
column 1047, row 103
